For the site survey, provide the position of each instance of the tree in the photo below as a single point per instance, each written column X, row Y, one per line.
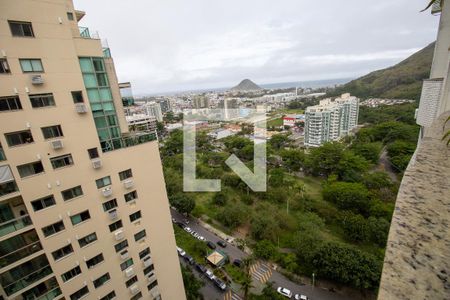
column 370, row 151
column 265, row 250
column 324, row 160
column 220, row 198
column 264, row 227
column 183, row 203
column 174, row 144
column 348, row 196
column 233, row 216
column 351, row 167
column 355, row 227
column 400, row 153
column 246, row 283
column 378, row 229
column 293, row 159
column 278, row 141
column 192, row 285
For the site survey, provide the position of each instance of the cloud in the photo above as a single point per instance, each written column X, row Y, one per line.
column 176, row 44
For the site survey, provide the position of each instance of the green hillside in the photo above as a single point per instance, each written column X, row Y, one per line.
column 402, row 81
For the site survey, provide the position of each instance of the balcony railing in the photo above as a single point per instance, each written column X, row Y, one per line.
column 2, row 154
column 129, row 141
column 14, row 225
column 20, row 253
column 85, row 33
column 27, row 280
column 8, row 188
column 51, row 295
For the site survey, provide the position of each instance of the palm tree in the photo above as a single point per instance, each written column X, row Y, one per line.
column 246, row 283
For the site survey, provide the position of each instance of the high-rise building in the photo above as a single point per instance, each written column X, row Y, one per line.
column 200, row 101
column 165, row 105
column 126, row 93
column 83, row 205
column 153, row 109
column 330, row 120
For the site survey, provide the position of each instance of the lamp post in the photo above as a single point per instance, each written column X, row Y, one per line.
column 313, row 277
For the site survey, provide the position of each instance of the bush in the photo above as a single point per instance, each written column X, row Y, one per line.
column 348, row 196
column 265, row 250
column 220, row 199
column 233, row 216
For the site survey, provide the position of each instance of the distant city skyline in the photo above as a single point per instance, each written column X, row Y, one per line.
column 174, row 45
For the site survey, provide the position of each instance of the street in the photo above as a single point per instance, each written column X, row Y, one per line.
column 278, row 279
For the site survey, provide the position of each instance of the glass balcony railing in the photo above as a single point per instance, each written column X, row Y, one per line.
column 8, row 188
column 27, row 280
column 50, row 295
column 14, row 225
column 84, row 32
column 20, row 253
column 128, row 141
column 2, row 154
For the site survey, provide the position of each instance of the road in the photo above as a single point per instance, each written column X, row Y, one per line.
column 387, row 166
column 277, row 278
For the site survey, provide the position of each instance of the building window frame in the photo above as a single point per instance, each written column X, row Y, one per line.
column 10, row 103
column 140, row 235
column 125, row 174
column 53, row 229
column 70, row 274
column 21, row 28
column 72, row 193
column 103, row 182
column 4, row 66
column 87, row 240
column 31, row 65
column 62, row 252
column 43, row 203
column 42, row 100
column 80, row 217
column 30, row 169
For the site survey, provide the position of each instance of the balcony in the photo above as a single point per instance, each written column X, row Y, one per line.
column 14, row 225
column 18, row 254
column 46, row 290
column 86, row 34
column 128, row 141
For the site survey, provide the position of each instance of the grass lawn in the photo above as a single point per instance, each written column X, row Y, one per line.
column 195, row 248
column 275, row 122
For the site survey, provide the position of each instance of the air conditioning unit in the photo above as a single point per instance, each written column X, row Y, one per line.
column 118, row 235
column 96, row 163
column 151, row 277
column 107, row 191
column 112, row 214
column 124, row 255
column 129, row 272
column 37, row 79
column 147, row 261
column 56, row 144
column 134, row 289
column 128, row 184
column 81, row 108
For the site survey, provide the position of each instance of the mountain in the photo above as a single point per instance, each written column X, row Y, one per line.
column 246, row 85
column 401, row 81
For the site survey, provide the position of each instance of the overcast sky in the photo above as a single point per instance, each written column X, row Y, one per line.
column 175, row 45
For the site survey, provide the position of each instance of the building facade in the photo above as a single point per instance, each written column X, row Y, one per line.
column 153, row 109
column 330, row 120
column 83, row 205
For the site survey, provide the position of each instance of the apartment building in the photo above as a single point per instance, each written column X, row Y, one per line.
column 153, row 109
column 83, row 205
column 330, row 120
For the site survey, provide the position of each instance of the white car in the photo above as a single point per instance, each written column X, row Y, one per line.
column 188, row 229
column 181, row 252
column 285, row 292
column 210, row 274
column 201, row 238
column 300, row 297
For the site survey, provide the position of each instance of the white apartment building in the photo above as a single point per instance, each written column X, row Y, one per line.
column 153, row 109
column 330, row 120
column 141, row 122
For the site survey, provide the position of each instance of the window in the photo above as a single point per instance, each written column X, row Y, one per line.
column 149, row 269
column 137, row 296
column 19, row 28
column 130, row 281
column 50, row 132
column 130, row 196
column 10, row 103
column 71, row 273
column 77, row 97
column 109, row 204
column 30, row 169
column 102, row 182
column 42, row 203
column 144, row 253
column 42, row 100
column 93, row 153
column 4, row 67
column 31, row 65
column 125, row 174
column 61, row 161
column 19, row 138
column 109, row 296
column 70, row 16
column 90, row 263
column 140, row 235
column 135, row 216
column 120, row 246
column 62, row 252
column 152, row 285
column 81, row 217
column 126, row 264
column 53, row 228
column 72, row 193
column 101, row 280
column 80, row 293
column 90, row 238
column 116, row 225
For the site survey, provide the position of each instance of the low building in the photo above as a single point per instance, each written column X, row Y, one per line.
column 141, row 122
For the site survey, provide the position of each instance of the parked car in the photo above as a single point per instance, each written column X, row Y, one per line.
column 210, row 274
column 222, row 244
column 285, row 292
column 211, row 245
column 220, row 284
column 173, row 220
column 201, row 238
column 194, row 234
column 181, row 252
column 300, row 297
column 189, row 259
column 188, row 229
column 201, row 268
column 237, row 263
